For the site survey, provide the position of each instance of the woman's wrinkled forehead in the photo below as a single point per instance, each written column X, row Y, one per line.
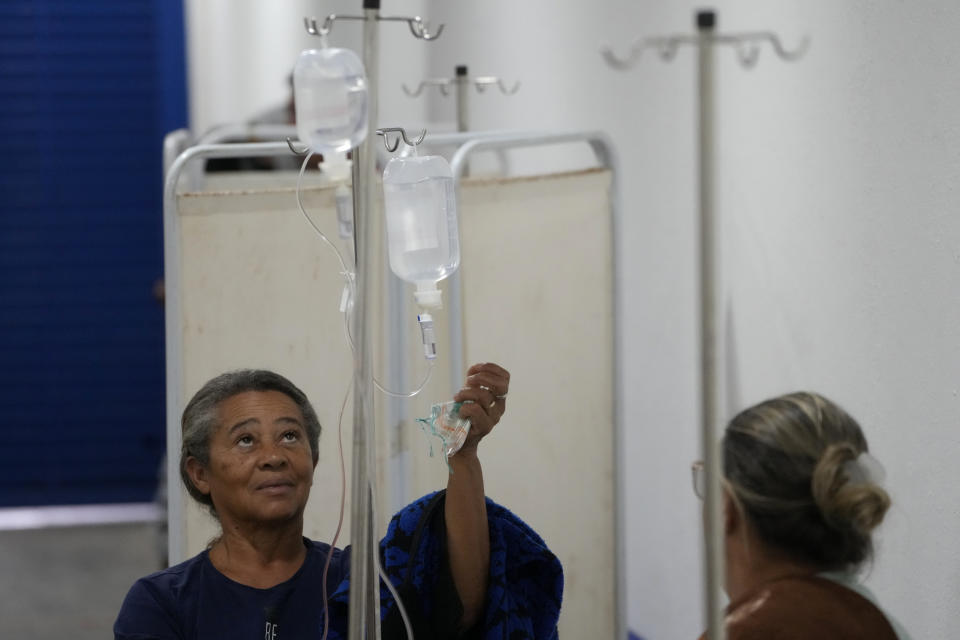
column 257, row 407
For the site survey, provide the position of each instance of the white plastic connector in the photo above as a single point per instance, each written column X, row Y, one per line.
column 428, row 335
column 337, row 169
column 346, row 300
column 344, row 200
column 428, row 295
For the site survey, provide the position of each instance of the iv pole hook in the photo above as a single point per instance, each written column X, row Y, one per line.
column 402, row 134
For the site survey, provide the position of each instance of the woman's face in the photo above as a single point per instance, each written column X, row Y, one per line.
column 261, row 465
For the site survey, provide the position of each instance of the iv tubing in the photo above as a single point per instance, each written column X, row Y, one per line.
column 380, row 571
column 336, row 536
column 409, row 394
column 372, row 484
column 343, row 502
column 348, row 276
column 395, row 394
column 346, row 272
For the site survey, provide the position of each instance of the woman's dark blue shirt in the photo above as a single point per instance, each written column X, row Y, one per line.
column 194, row 600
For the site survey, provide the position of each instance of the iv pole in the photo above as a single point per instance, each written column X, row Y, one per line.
column 747, row 48
column 462, row 81
column 364, row 612
column 364, row 616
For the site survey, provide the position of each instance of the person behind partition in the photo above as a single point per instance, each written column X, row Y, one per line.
column 801, row 498
column 463, row 566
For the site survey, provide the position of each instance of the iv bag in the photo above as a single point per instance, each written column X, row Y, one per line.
column 421, row 212
column 330, row 96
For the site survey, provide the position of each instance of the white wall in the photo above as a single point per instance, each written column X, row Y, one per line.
column 842, row 249
column 838, row 190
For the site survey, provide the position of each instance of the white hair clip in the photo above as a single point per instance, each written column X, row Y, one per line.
column 865, row 469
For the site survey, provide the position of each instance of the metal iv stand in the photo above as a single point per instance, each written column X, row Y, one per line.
column 747, row 47
column 462, row 81
column 364, row 617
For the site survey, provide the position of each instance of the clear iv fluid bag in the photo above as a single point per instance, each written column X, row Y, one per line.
column 330, row 96
column 421, row 212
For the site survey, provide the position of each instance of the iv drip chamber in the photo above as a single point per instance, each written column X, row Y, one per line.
column 421, row 211
column 330, row 97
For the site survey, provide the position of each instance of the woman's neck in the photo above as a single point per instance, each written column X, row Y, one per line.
column 751, row 565
column 259, row 556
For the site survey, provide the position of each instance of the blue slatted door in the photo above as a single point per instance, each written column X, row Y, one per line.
column 87, row 90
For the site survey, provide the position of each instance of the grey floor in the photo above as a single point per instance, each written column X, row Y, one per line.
column 69, row 582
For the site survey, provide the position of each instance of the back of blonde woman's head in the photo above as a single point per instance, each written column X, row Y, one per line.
column 786, row 463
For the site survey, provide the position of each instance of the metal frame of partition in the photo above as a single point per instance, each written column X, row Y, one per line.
column 185, row 163
column 606, row 157
column 468, row 144
column 602, row 148
column 500, row 142
column 398, row 373
column 173, row 317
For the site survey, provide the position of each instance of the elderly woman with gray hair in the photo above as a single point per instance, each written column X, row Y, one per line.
column 801, row 497
column 464, row 566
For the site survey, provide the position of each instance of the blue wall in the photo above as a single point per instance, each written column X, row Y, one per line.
column 87, row 91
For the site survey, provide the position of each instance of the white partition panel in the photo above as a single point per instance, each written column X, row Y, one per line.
column 538, row 296
column 259, row 289
column 537, row 277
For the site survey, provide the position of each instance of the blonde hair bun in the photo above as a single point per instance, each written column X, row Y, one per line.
column 845, row 500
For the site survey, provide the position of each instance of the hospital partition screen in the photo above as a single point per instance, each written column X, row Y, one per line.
column 255, row 287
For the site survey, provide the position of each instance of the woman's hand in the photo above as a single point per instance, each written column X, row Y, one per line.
column 484, row 399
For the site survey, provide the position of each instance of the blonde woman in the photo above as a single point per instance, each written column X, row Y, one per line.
column 802, row 497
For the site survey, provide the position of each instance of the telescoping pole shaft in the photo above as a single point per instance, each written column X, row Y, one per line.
column 709, row 288
column 364, row 611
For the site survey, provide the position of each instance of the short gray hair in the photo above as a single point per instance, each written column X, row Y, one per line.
column 200, row 417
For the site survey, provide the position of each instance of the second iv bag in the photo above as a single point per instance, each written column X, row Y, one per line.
column 330, row 96
column 421, row 213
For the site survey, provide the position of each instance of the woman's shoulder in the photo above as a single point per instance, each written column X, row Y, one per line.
column 321, row 550
column 804, row 607
column 156, row 602
column 317, row 553
column 175, row 578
